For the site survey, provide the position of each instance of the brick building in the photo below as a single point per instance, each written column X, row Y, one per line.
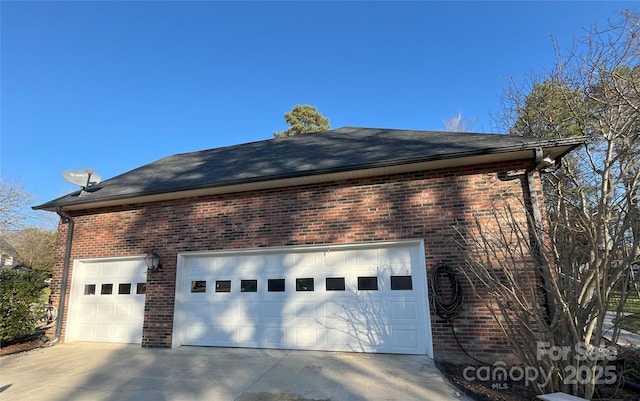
column 321, row 241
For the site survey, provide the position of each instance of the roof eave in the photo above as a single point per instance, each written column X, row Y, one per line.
column 556, row 148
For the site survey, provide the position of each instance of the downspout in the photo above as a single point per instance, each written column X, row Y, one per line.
column 65, row 272
column 538, row 163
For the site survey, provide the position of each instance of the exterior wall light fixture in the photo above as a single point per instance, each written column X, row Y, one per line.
column 153, row 261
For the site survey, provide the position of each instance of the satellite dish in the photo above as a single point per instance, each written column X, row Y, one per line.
column 83, row 178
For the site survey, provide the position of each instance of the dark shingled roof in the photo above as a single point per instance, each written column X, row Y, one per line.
column 339, row 150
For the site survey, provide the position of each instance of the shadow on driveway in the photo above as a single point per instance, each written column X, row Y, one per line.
column 110, row 372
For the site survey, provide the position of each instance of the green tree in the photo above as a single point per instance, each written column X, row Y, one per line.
column 20, row 292
column 303, row 119
column 549, row 110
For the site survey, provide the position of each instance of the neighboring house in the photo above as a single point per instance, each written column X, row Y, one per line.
column 8, row 255
column 322, row 241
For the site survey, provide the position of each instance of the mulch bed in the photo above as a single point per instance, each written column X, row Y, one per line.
column 21, row 344
column 484, row 391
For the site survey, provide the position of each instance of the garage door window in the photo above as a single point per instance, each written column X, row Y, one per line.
column 335, row 283
column 141, row 288
column 89, row 289
column 275, row 285
column 223, row 285
column 368, row 283
column 304, row 284
column 401, row 283
column 198, row 286
column 248, row 285
column 106, row 289
column 124, row 289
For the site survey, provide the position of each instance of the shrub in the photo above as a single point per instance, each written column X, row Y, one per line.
column 19, row 291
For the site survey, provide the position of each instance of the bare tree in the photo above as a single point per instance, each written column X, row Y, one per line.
column 14, row 200
column 458, row 124
column 584, row 252
column 35, row 247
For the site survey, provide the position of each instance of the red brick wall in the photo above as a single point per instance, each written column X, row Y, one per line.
column 423, row 205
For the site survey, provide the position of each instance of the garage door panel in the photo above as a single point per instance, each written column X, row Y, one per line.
column 335, row 310
column 123, row 332
column 368, row 339
column 104, row 304
column 402, row 310
column 200, row 273
column 200, row 310
column 196, row 333
column 202, row 264
column 88, row 310
column 394, row 256
column 275, row 336
column 124, row 310
column 306, row 336
column 203, row 334
column 247, row 264
column 405, row 338
column 276, row 310
column 105, row 311
column 366, row 257
column 305, row 310
column 279, row 261
column 335, row 260
column 224, row 312
column 138, row 309
column 222, row 333
column 250, row 311
column 308, row 260
column 109, row 269
column 88, row 331
column 248, row 335
column 366, row 311
column 337, row 337
column 342, row 317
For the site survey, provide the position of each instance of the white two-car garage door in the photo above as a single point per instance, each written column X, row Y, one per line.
column 361, row 298
column 107, row 300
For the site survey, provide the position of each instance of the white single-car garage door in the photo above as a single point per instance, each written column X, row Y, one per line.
column 107, row 300
column 360, row 298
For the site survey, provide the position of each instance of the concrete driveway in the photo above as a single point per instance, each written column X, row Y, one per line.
column 110, row 372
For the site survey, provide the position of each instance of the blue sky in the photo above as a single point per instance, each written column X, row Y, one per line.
column 116, row 85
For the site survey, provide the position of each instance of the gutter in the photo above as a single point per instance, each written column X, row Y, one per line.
column 65, row 272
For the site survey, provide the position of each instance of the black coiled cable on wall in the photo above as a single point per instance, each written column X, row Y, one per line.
column 446, row 309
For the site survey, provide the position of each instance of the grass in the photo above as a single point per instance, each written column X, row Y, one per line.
column 631, row 306
column 630, row 323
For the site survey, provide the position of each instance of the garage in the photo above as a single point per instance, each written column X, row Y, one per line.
column 107, row 300
column 360, row 298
